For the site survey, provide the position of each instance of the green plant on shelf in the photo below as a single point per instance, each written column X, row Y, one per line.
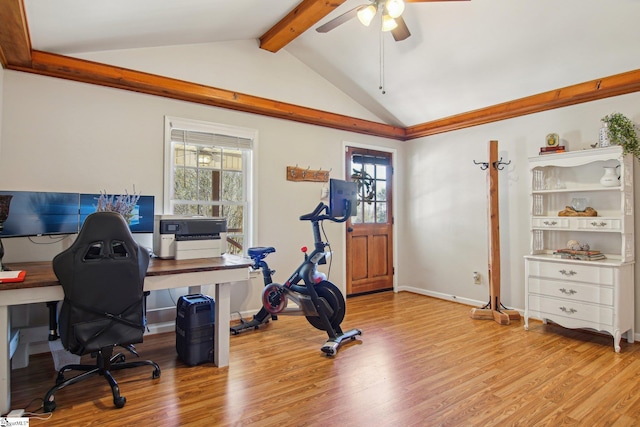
column 624, row 132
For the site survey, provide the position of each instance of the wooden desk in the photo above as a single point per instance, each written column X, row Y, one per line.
column 41, row 285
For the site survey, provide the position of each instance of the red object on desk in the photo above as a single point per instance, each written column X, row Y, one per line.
column 12, row 276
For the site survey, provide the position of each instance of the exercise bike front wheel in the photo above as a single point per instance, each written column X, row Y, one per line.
column 273, row 298
column 332, row 295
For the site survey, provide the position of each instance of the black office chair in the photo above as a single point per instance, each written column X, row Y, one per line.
column 102, row 275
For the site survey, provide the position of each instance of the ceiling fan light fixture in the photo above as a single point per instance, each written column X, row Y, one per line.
column 388, row 23
column 204, row 158
column 394, row 8
column 366, row 14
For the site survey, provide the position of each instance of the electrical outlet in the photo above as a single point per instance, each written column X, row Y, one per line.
column 476, row 278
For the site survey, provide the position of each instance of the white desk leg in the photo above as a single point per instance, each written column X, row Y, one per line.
column 5, row 362
column 222, row 318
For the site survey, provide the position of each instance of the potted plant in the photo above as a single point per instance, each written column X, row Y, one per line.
column 124, row 204
column 622, row 131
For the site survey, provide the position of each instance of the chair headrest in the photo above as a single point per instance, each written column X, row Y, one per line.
column 104, row 226
column 104, row 236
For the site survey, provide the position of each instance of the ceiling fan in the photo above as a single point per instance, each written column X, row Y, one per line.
column 391, row 11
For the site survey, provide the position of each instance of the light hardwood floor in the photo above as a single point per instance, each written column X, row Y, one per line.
column 420, row 362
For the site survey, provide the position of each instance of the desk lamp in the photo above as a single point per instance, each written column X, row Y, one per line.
column 5, row 201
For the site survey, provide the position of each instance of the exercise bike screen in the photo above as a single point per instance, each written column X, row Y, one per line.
column 341, row 192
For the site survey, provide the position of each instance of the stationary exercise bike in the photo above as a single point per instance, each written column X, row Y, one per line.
column 319, row 300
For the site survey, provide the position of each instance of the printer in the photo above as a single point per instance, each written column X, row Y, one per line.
column 188, row 237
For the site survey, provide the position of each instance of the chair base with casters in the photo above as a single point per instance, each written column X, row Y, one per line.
column 106, row 362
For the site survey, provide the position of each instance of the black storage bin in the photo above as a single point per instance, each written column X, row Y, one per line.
column 194, row 329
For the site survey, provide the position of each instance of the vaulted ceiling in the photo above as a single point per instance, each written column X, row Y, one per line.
column 466, row 62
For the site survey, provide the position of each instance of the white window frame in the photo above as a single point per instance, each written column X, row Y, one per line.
column 250, row 183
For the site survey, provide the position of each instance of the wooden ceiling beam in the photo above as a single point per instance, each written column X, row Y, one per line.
column 618, row 84
column 69, row 68
column 106, row 75
column 15, row 42
column 299, row 20
column 16, row 54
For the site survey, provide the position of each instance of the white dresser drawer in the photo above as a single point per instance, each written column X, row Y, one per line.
column 595, row 223
column 551, row 222
column 571, row 291
column 573, row 272
column 574, row 310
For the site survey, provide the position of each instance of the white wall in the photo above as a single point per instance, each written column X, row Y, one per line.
column 447, row 199
column 66, row 136
column 59, row 135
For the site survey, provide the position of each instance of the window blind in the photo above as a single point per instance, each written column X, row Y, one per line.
column 206, row 138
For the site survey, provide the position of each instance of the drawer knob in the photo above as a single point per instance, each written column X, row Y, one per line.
column 568, row 310
column 550, row 223
column 567, row 273
column 568, row 292
column 598, row 224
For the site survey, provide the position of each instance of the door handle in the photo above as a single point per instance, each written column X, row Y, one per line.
column 350, row 229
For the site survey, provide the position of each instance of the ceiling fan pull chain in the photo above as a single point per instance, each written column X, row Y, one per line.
column 382, row 63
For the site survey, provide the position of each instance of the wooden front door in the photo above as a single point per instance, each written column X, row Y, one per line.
column 369, row 248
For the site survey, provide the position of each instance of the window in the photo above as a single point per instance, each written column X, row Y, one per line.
column 371, row 172
column 208, row 171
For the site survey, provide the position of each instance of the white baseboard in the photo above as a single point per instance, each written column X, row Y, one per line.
column 439, row 295
column 454, row 298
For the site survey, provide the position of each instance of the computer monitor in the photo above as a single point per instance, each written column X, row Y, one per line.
column 342, row 196
column 39, row 213
column 141, row 222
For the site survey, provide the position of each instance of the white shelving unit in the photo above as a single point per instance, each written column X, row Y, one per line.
column 597, row 295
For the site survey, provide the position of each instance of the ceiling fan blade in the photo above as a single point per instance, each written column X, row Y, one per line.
column 401, row 32
column 340, row 20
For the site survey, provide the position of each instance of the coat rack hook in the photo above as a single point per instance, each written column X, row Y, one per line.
column 483, row 165
column 499, row 165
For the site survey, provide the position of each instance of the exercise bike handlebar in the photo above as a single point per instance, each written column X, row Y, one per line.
column 317, row 214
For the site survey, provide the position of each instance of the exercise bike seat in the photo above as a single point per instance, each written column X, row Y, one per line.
column 259, row 252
